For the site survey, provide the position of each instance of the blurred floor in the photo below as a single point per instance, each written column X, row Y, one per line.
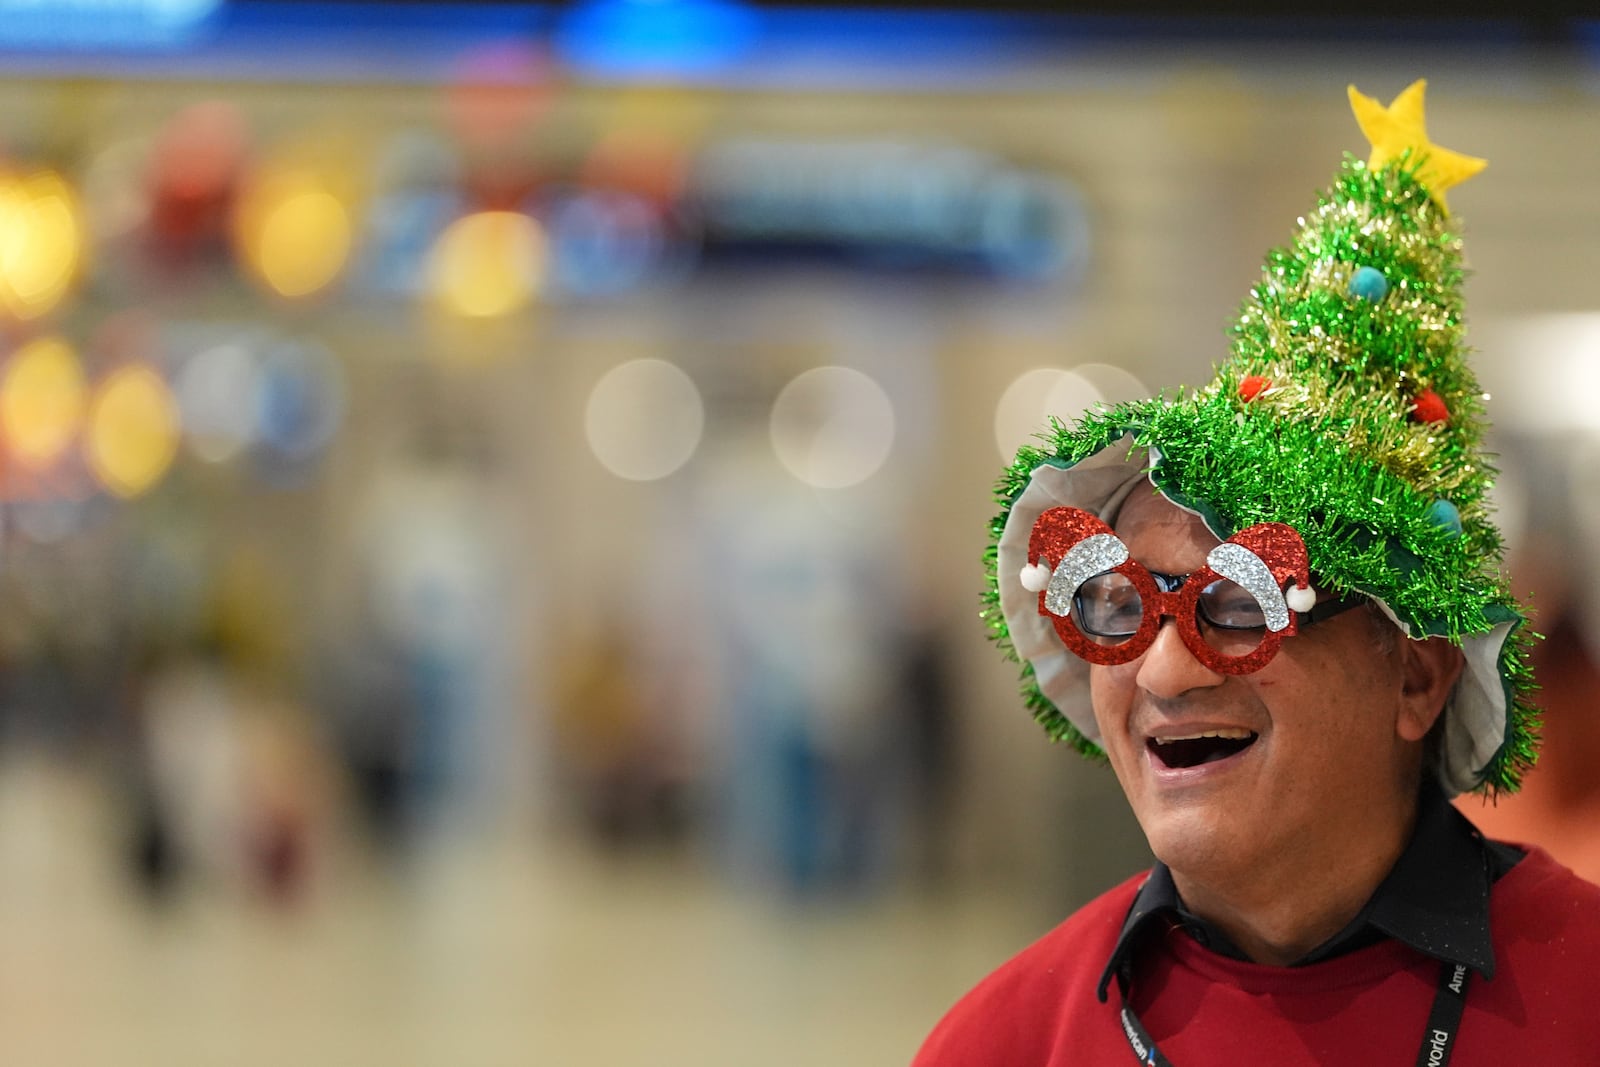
column 492, row 952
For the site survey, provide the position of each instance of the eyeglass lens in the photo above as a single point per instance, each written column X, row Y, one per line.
column 1110, row 610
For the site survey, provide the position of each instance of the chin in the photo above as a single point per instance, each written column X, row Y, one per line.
column 1188, row 840
column 1185, row 856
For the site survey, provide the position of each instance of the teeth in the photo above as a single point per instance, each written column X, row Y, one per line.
column 1226, row 735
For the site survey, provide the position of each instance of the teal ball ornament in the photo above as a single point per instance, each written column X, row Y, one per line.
column 1446, row 516
column 1369, row 284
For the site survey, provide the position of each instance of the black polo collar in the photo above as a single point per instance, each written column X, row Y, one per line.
column 1435, row 899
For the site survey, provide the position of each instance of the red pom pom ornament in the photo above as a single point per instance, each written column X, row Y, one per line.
column 1253, row 386
column 1429, row 407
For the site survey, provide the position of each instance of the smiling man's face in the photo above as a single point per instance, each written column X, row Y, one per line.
column 1312, row 758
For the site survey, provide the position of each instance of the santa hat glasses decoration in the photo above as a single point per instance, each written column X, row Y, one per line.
column 1232, row 614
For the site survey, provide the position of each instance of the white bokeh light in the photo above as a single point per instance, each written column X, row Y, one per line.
column 217, row 391
column 644, row 419
column 832, row 427
column 1114, row 384
column 1028, row 402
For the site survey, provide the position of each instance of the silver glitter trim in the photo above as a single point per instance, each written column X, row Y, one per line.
column 1240, row 565
column 1089, row 557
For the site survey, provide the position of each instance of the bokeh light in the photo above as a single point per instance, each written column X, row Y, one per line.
column 294, row 232
column 1114, row 384
column 217, row 393
column 488, row 264
column 304, row 242
column 133, row 430
column 499, row 91
column 644, row 419
column 603, row 244
column 299, row 403
column 115, row 200
column 416, row 194
column 648, row 162
column 194, row 170
column 636, row 39
column 51, row 519
column 1025, row 407
column 832, row 427
column 42, row 397
column 41, row 243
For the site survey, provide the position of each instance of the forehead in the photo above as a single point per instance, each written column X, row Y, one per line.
column 1162, row 535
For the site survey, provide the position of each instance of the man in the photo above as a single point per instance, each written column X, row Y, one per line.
column 1286, row 586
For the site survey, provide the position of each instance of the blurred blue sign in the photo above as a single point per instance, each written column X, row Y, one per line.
column 899, row 205
column 608, row 38
column 73, row 24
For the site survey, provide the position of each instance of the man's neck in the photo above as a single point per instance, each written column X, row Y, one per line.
column 1278, row 916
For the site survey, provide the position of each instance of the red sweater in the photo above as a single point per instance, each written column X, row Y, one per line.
column 1366, row 1007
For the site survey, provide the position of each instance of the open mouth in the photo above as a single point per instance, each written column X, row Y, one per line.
column 1192, row 750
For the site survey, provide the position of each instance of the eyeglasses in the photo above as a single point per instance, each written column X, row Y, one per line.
column 1224, row 615
column 1232, row 614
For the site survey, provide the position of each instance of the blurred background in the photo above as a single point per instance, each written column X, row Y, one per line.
column 492, row 495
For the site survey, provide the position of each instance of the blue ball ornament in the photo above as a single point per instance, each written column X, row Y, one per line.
column 1369, row 284
column 1446, row 516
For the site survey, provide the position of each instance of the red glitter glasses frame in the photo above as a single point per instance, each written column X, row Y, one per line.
column 1277, row 546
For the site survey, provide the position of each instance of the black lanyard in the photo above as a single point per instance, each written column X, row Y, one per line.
column 1437, row 1040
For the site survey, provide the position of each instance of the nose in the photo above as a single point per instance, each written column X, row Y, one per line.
column 1169, row 669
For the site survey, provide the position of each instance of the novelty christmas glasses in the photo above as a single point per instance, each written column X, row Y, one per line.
column 1232, row 614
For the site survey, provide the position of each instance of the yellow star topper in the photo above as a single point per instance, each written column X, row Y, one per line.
column 1400, row 126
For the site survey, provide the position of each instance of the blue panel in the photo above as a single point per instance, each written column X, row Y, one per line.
column 79, row 24
column 608, row 38
column 729, row 42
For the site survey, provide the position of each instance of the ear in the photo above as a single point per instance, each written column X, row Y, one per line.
column 1429, row 672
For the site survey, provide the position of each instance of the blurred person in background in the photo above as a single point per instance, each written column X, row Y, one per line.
column 1287, row 586
column 227, row 781
column 615, row 747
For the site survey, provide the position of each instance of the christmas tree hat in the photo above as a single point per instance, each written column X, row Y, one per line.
column 1346, row 411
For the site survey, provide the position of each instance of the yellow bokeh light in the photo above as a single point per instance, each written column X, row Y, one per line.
column 305, row 242
column 41, row 243
column 294, row 233
column 133, row 430
column 41, row 401
column 488, row 264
